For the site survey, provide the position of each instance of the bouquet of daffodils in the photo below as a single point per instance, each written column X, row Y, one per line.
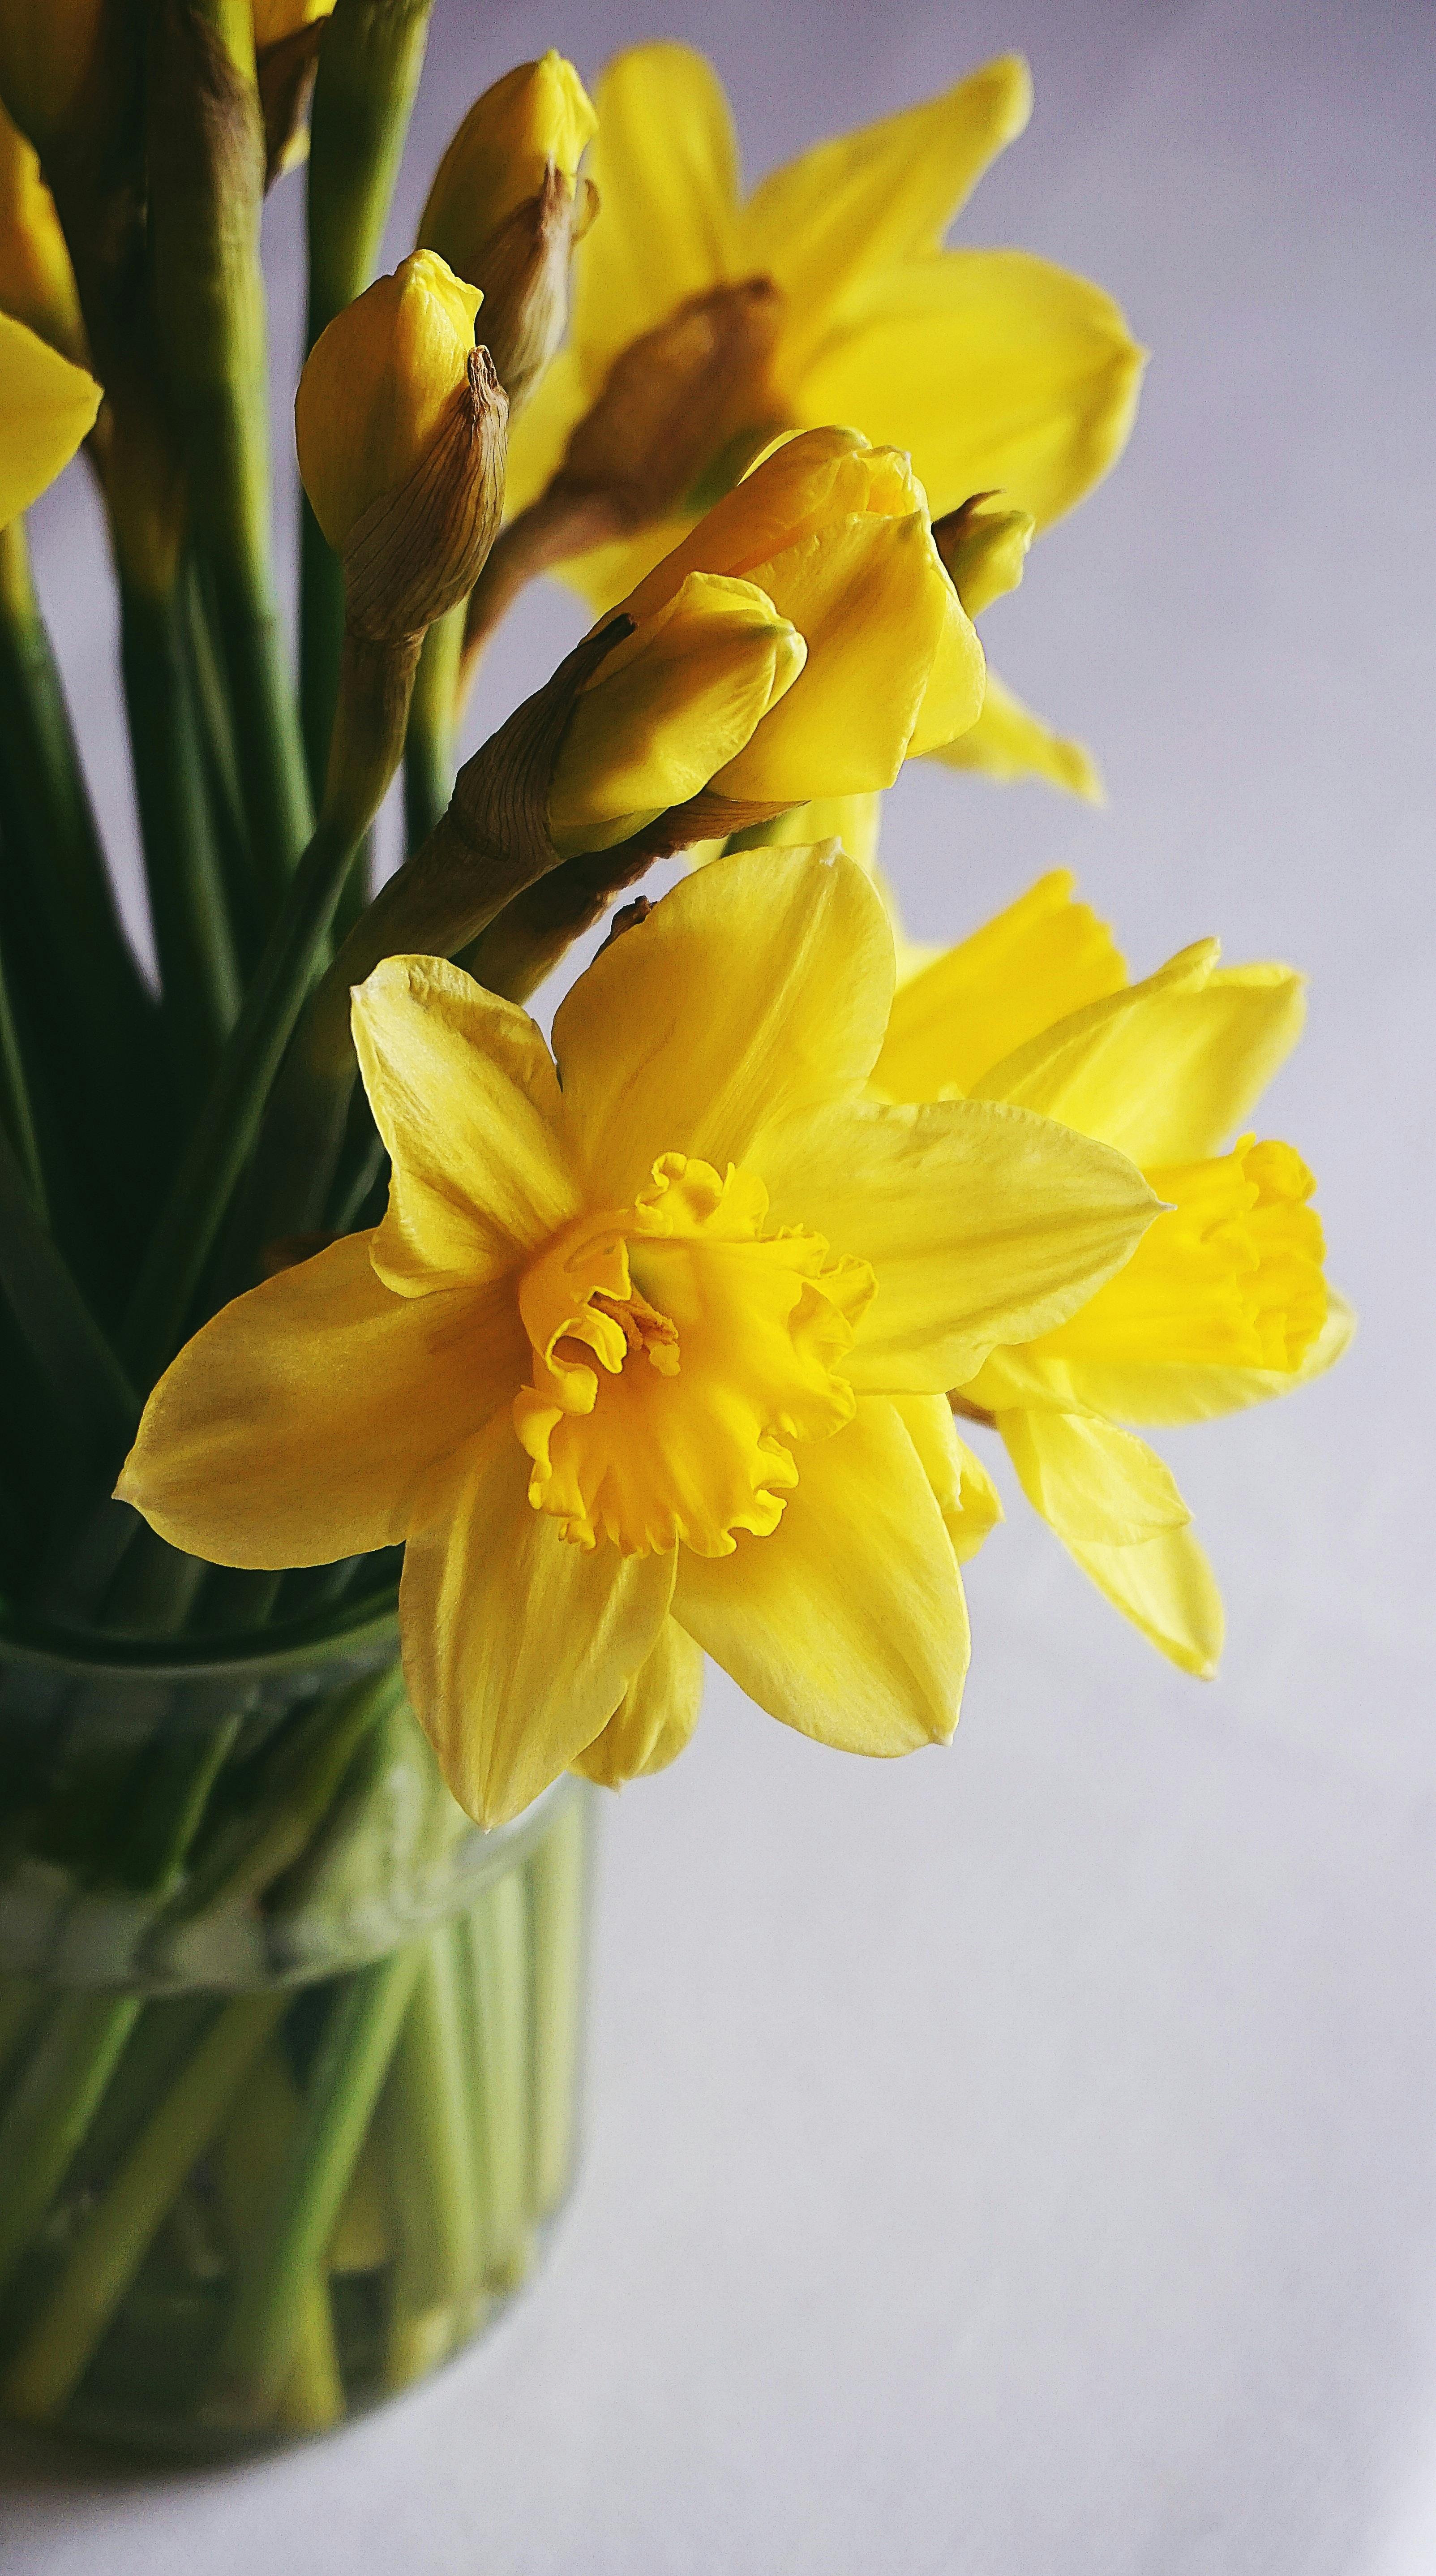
column 343, row 1319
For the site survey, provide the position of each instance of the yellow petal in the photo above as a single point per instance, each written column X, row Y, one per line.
column 996, row 370
column 1168, row 1068
column 848, row 1623
column 1165, row 1586
column 46, row 407
column 517, row 1647
column 1008, row 741
column 299, row 1424
column 665, row 163
column 760, row 984
column 861, row 203
column 668, row 708
column 977, row 1219
column 891, row 657
column 851, row 821
column 965, row 1493
column 37, row 282
column 466, row 1099
column 1044, row 957
column 656, row 1716
column 1173, row 1392
column 537, row 439
column 1089, row 1480
column 800, row 487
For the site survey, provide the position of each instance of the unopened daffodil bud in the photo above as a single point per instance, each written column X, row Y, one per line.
column 48, row 49
column 984, row 547
column 37, row 282
column 507, row 205
column 674, row 702
column 836, row 534
column 46, row 407
column 399, row 424
column 287, row 36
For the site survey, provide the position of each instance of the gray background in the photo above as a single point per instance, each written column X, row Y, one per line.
column 1023, row 2159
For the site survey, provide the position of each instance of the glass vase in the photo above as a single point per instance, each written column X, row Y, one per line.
column 289, row 2051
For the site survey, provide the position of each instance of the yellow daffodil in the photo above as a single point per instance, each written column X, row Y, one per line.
column 37, row 282
column 47, row 406
column 653, row 1334
column 377, row 385
column 837, row 536
column 1223, row 1303
column 997, row 371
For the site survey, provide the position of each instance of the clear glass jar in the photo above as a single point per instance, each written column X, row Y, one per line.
column 289, row 2051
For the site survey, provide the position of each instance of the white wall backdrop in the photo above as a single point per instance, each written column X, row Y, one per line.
column 1023, row 2159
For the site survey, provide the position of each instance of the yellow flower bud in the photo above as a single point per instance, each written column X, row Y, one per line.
column 37, row 283
column 539, row 116
column 837, row 535
column 507, row 205
column 47, row 48
column 984, row 549
column 399, row 423
column 675, row 701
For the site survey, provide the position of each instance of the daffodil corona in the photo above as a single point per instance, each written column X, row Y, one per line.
column 1224, row 1302
column 652, row 1338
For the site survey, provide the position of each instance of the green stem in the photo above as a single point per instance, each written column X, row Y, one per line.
column 496, row 1934
column 89, row 1395
column 368, row 740
column 275, row 783
column 558, row 1896
column 222, row 782
column 205, row 168
column 343, row 2087
column 429, row 2133
column 429, row 745
column 58, row 875
column 198, row 971
column 369, row 67
column 52, row 2107
column 111, row 2246
column 16, row 1115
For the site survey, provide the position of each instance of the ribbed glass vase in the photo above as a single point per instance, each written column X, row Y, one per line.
column 289, row 2052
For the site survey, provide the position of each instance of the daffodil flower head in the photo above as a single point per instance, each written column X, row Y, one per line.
column 1223, row 1304
column 647, row 1356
